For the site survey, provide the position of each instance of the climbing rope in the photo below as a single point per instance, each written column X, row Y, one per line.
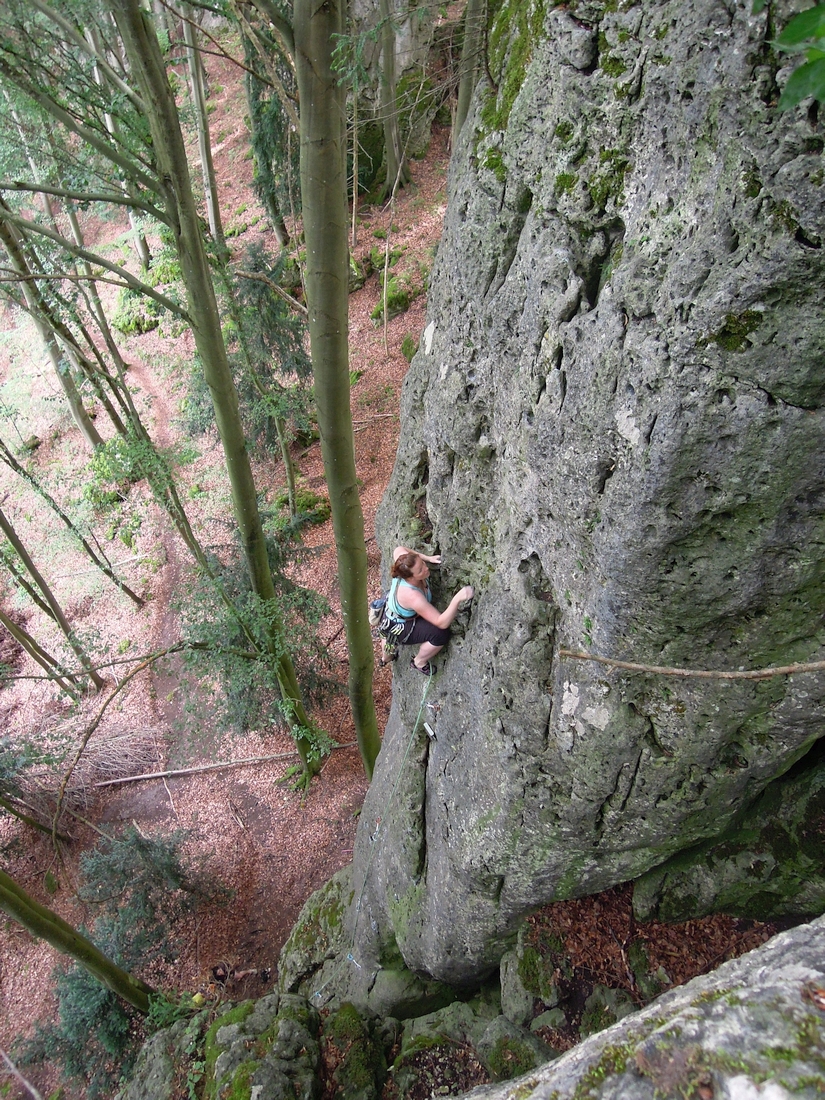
column 702, row 674
column 374, row 839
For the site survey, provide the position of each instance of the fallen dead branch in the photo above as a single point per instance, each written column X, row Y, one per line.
column 95, row 722
column 245, row 762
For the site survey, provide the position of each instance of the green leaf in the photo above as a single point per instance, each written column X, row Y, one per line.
column 758, row 5
column 807, row 80
column 808, row 25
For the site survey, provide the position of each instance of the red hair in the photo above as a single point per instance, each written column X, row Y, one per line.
column 404, row 565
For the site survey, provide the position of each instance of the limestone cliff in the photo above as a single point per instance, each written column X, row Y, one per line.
column 613, row 428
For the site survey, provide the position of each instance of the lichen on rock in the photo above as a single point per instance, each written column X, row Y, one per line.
column 610, row 425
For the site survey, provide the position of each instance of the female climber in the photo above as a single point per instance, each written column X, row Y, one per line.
column 409, row 604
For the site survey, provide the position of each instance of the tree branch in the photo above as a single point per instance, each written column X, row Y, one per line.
column 80, row 196
column 267, row 10
column 219, row 51
column 245, row 762
column 74, row 35
column 258, row 278
column 94, row 258
column 105, row 148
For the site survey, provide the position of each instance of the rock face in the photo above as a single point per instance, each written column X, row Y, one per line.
column 613, row 429
column 750, row 1030
column 772, row 862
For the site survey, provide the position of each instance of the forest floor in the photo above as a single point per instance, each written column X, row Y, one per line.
column 267, row 844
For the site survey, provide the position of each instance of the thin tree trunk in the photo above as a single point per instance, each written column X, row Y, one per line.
column 354, row 162
column 9, row 459
column 46, row 925
column 393, row 153
column 148, row 71
column 49, row 665
column 49, row 597
column 470, row 64
column 138, row 239
column 324, row 195
column 10, row 562
column 34, row 302
column 196, row 85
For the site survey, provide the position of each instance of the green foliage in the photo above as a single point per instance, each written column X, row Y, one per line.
column 510, row 1058
column 360, row 1064
column 310, row 507
column 134, row 313
column 379, row 258
column 234, row 645
column 608, row 182
column 350, row 62
column 805, row 33
column 165, row 1010
column 165, row 268
column 515, row 27
column 115, row 466
column 564, row 131
column 266, row 344
column 494, row 162
column 139, row 886
column 136, row 879
column 732, row 336
column 409, row 347
column 274, row 145
column 93, row 1040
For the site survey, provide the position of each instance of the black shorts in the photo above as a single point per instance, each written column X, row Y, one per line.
column 422, row 631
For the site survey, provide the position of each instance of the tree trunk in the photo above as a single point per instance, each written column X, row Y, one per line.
column 196, row 85
column 354, row 241
column 324, row 196
column 49, row 597
column 397, row 174
column 470, row 64
column 37, row 653
column 47, row 925
column 167, row 141
column 138, row 239
column 11, row 244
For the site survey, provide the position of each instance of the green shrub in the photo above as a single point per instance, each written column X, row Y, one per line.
column 135, row 313
column 408, row 347
column 139, row 886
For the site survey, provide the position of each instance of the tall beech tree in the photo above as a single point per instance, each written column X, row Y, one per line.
column 311, row 38
column 46, row 925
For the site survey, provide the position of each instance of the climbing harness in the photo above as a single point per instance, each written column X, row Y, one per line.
column 374, row 838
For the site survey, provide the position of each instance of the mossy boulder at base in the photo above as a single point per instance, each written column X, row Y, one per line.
column 267, row 1049
column 753, row 1028
column 354, row 1046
